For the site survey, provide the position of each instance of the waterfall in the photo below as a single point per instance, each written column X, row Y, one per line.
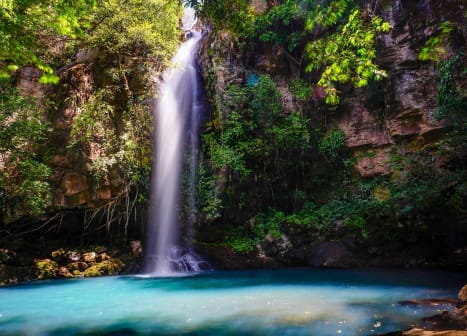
column 176, row 115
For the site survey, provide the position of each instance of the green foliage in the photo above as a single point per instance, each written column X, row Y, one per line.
column 23, row 175
column 135, row 143
column 246, row 239
column 126, row 26
column 28, row 29
column 347, row 55
column 451, row 104
column 25, row 27
column 434, row 50
column 94, row 133
column 274, row 26
column 114, row 142
column 237, row 139
column 301, row 90
column 206, row 190
column 255, row 143
column 234, row 15
column 291, row 134
column 332, row 143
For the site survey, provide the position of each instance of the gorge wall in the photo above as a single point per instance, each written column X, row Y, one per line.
column 284, row 178
column 387, row 197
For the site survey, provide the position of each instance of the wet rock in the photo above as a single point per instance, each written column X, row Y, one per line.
column 221, row 257
column 64, row 272
column 73, row 256
column 103, row 257
column 361, row 126
column 77, row 266
column 274, row 246
column 462, row 298
column 330, row 255
column 90, row 257
column 74, row 183
column 375, row 162
column 60, row 256
column 455, row 319
column 136, row 248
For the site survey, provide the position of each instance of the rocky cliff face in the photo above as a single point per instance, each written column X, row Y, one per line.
column 389, row 127
column 375, row 120
column 409, row 95
column 100, row 118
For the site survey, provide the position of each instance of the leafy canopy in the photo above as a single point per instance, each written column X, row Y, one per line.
column 347, row 55
column 25, row 25
column 336, row 38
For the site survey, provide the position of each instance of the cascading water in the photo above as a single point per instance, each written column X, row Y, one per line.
column 176, row 133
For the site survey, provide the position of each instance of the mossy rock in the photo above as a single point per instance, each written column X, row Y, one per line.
column 46, row 269
column 77, row 266
column 65, row 273
column 60, row 256
column 107, row 267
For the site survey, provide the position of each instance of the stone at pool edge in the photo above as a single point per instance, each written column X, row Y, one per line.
column 443, row 324
column 462, row 298
column 421, row 332
column 455, row 319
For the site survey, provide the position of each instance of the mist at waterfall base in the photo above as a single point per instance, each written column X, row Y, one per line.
column 177, row 118
column 280, row 302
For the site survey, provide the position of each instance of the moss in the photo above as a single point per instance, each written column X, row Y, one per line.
column 77, row 266
column 108, row 267
column 46, row 269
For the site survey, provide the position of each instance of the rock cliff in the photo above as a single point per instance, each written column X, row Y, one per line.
column 391, row 133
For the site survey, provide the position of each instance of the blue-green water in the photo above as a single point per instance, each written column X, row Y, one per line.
column 282, row 302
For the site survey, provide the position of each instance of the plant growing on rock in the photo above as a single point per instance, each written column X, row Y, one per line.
column 23, row 173
column 347, row 54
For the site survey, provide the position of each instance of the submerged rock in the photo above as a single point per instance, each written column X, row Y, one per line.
column 448, row 323
column 454, row 319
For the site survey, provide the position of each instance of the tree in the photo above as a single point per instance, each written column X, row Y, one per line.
column 345, row 52
column 25, row 25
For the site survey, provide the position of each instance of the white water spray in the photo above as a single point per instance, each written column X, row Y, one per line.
column 176, row 114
